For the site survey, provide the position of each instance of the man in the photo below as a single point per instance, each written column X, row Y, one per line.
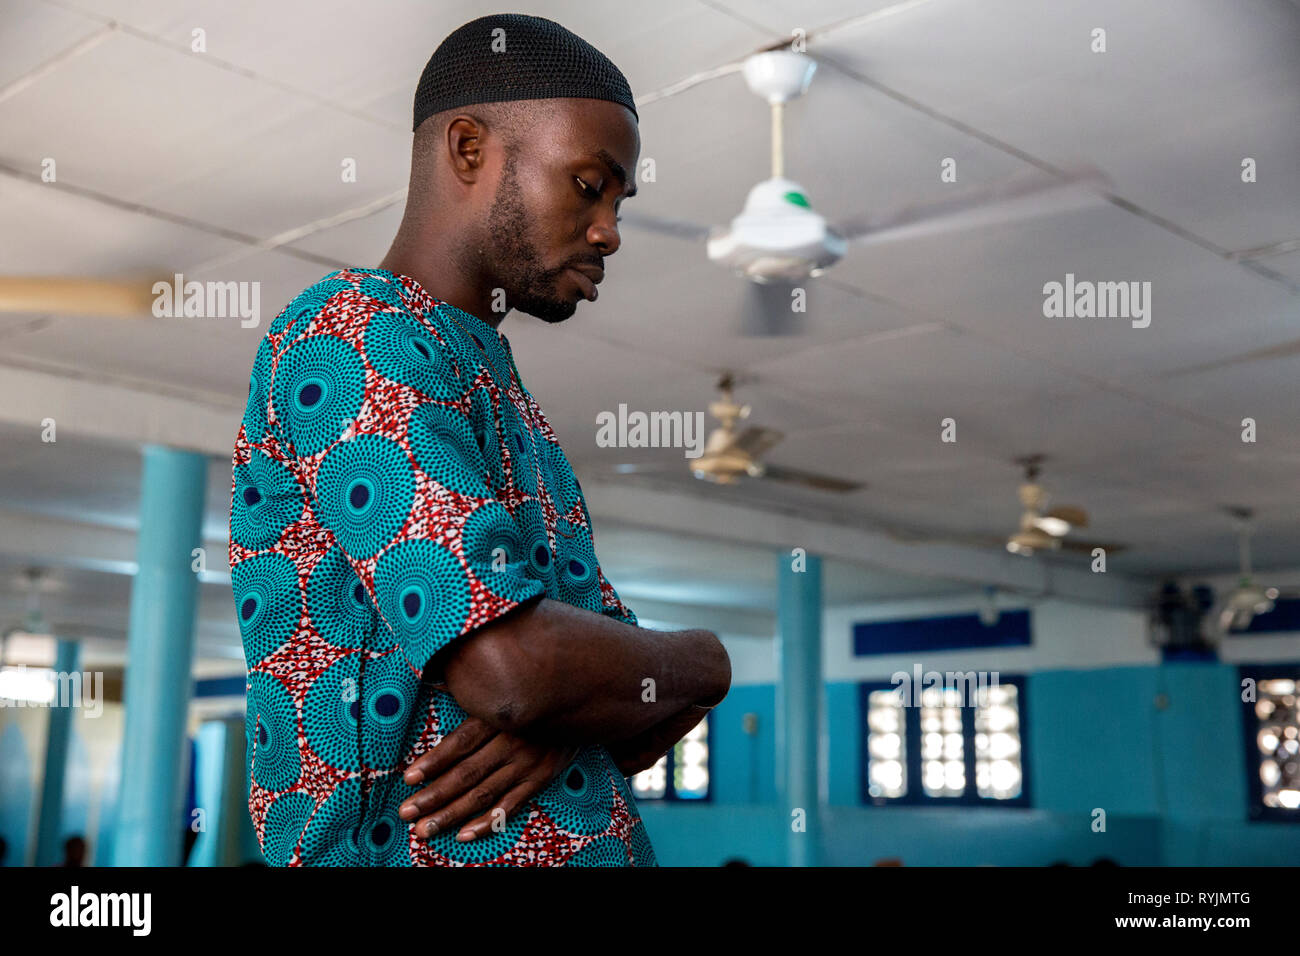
column 439, row 672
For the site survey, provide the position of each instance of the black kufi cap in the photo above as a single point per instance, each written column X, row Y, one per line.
column 530, row 59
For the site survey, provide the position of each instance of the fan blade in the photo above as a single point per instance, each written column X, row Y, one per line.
column 1237, row 619
column 1086, row 547
column 1072, row 515
column 1014, row 199
column 819, row 482
column 72, row 296
column 755, row 440
column 768, row 309
column 677, row 228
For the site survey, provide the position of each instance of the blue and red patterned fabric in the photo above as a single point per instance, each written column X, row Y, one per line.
column 396, row 487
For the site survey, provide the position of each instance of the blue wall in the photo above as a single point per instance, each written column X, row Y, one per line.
column 1169, row 771
column 1159, row 747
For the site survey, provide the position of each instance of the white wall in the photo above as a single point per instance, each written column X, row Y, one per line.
column 1254, row 647
column 1066, row 636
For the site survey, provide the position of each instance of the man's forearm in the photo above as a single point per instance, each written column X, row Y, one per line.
column 564, row 673
column 644, row 750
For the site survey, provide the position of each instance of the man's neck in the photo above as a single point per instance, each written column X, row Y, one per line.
column 439, row 276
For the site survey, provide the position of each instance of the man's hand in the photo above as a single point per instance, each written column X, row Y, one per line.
column 644, row 750
column 476, row 770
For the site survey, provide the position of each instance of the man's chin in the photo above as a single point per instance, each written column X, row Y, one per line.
column 550, row 311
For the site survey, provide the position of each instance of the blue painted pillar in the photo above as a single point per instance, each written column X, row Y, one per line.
column 799, row 706
column 159, row 657
column 49, row 846
column 221, row 793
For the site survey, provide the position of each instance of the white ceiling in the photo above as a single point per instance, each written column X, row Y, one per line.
column 170, row 160
column 78, row 486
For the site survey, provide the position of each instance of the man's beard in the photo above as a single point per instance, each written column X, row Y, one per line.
column 530, row 287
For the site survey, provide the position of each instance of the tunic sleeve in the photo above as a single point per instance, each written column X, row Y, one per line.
column 368, row 412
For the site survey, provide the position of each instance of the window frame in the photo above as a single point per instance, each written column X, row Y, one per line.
column 670, row 794
column 1256, row 812
column 916, row 795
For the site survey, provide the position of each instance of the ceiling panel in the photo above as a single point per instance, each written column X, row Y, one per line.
column 1185, row 90
column 249, row 136
column 35, row 35
column 155, row 115
column 274, row 180
column 48, row 231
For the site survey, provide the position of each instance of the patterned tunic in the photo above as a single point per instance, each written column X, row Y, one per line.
column 396, row 487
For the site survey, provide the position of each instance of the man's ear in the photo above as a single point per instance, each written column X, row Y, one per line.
column 464, row 148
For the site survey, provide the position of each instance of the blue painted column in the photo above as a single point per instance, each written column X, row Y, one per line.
column 799, row 706
column 49, row 846
column 160, row 652
column 221, row 793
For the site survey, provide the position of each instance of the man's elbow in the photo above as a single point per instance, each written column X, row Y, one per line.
column 483, row 676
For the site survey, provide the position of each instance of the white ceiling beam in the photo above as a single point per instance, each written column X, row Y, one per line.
column 91, row 408
column 697, row 516
column 123, row 414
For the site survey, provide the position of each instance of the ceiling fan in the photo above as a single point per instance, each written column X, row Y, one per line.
column 1042, row 530
column 34, row 626
column 730, row 456
column 778, row 241
column 1247, row 600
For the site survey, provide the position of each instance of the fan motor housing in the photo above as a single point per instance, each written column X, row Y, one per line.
column 777, row 236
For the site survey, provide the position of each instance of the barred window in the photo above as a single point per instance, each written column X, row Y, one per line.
column 998, row 773
column 680, row 774
column 955, row 743
column 1272, row 724
column 886, row 745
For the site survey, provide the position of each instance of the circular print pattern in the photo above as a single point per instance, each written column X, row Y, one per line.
column 309, row 303
column 424, row 595
column 266, row 603
column 285, row 820
column 581, row 798
column 643, row 853
column 558, row 476
column 259, row 384
column 389, row 689
column 332, row 838
column 337, row 838
column 537, row 549
column 519, row 445
column 469, row 358
column 575, row 566
column 387, row 839
column 493, row 547
column 602, row 851
column 446, row 450
column 320, row 383
column 381, row 290
column 337, row 602
column 485, row 848
column 493, row 355
column 276, row 765
column 265, row 501
column 330, row 712
column 400, row 350
column 365, row 488
column 483, row 423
